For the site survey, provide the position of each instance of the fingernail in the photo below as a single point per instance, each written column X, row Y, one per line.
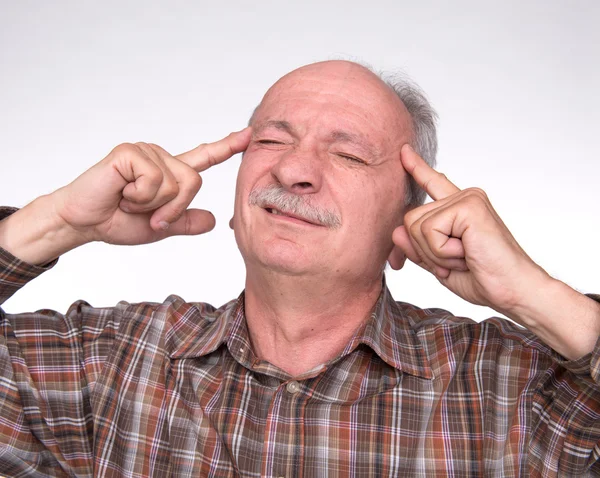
column 164, row 225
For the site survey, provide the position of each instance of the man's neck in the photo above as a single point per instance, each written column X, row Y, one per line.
column 298, row 323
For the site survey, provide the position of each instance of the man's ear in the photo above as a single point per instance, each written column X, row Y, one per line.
column 397, row 258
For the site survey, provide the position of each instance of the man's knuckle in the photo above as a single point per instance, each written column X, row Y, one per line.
column 415, row 229
column 142, row 147
column 170, row 189
column 427, row 226
column 476, row 200
column 188, row 224
column 145, row 194
column 176, row 213
column 230, row 149
column 155, row 149
column 159, row 150
column 427, row 229
column 410, row 217
column 126, row 149
column 210, row 157
column 471, row 200
column 426, row 184
column 154, row 174
column 195, row 182
column 476, row 192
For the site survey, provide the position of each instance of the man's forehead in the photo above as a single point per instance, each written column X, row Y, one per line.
column 343, row 88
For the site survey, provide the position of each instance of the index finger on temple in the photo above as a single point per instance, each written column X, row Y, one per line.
column 206, row 155
column 436, row 184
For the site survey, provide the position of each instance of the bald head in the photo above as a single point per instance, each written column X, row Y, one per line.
column 349, row 78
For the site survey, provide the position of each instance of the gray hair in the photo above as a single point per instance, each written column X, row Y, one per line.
column 424, row 119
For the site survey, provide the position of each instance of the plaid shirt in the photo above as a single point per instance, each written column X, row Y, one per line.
column 174, row 389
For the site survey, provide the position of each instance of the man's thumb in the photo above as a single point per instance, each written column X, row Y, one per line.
column 402, row 243
column 191, row 223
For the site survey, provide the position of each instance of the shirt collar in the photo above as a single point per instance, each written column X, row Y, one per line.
column 201, row 329
column 388, row 332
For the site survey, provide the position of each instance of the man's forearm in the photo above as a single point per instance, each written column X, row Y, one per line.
column 35, row 234
column 563, row 318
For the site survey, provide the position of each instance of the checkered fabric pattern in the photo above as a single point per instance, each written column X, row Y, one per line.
column 174, row 389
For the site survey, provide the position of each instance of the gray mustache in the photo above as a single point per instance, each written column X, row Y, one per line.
column 277, row 197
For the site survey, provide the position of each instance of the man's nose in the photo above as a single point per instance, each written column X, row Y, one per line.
column 299, row 171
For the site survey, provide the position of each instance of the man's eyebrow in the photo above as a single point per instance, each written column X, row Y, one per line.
column 277, row 124
column 339, row 136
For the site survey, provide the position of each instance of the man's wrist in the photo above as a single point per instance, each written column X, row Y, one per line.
column 36, row 234
column 563, row 318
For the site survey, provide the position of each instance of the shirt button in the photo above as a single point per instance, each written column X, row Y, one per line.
column 293, row 387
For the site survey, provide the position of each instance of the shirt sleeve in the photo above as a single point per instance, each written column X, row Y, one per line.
column 566, row 410
column 49, row 363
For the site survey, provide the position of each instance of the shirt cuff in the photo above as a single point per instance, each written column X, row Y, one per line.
column 595, row 359
column 588, row 365
column 15, row 273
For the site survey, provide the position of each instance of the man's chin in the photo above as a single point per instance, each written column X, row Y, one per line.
column 289, row 261
column 280, row 267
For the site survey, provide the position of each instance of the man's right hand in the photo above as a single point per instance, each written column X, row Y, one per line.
column 138, row 194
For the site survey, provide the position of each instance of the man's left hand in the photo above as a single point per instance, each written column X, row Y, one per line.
column 462, row 241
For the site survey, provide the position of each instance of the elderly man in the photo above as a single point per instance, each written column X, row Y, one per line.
column 314, row 370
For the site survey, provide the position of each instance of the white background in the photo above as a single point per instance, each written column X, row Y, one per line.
column 515, row 84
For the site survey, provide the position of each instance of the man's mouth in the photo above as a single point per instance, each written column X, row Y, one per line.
column 277, row 212
column 274, row 211
column 291, row 207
